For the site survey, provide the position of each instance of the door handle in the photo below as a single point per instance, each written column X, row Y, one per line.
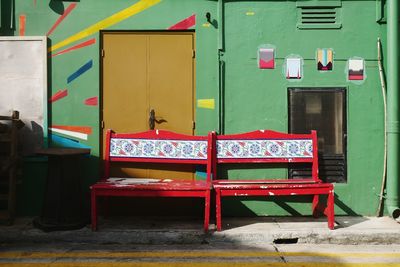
column 152, row 119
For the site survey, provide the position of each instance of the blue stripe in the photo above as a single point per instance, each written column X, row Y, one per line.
column 66, row 142
column 80, row 71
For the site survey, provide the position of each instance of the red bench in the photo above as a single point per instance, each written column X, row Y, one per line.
column 270, row 147
column 163, row 148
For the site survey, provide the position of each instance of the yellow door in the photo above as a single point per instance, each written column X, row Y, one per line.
column 146, row 73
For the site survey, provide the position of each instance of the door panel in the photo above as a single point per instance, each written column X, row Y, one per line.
column 144, row 71
column 172, row 63
column 124, row 82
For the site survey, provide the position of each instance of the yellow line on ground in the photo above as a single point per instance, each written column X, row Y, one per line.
column 190, row 254
column 103, row 24
column 196, row 264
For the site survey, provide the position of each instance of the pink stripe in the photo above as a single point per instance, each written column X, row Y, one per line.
column 62, row 17
column 57, row 96
column 78, row 46
column 184, row 24
column 92, row 101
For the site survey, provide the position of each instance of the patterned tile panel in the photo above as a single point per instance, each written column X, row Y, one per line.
column 150, row 148
column 264, row 149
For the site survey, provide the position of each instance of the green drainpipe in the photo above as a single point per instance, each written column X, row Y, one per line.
column 221, row 68
column 392, row 196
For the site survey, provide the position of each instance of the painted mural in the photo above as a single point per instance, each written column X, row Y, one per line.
column 73, row 135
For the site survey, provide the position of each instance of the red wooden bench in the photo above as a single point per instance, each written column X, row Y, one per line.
column 276, row 148
column 155, row 146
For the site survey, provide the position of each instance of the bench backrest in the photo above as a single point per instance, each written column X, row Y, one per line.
column 265, row 146
column 158, row 146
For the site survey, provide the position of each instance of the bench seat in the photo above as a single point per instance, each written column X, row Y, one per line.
column 243, row 185
column 128, row 184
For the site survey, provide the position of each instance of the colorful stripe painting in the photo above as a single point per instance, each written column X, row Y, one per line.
column 184, row 24
column 92, row 101
column 108, row 22
column 324, row 59
column 80, row 71
column 80, row 132
column 61, row 18
column 22, row 25
column 79, row 129
column 356, row 68
column 75, row 47
column 206, row 103
column 69, row 133
column 59, row 95
column 67, row 142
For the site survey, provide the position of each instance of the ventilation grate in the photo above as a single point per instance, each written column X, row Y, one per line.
column 318, row 18
column 332, row 169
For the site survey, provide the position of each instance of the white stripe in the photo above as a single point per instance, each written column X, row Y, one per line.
column 70, row 133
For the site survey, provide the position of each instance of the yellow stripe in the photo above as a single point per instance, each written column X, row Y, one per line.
column 197, row 264
column 117, row 17
column 206, row 103
column 191, row 254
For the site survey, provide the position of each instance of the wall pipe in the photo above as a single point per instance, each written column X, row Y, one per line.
column 221, row 68
column 392, row 189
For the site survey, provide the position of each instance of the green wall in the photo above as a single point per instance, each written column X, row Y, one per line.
column 253, row 98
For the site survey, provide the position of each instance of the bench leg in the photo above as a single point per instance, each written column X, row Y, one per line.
column 331, row 209
column 315, row 206
column 218, row 209
column 94, row 210
column 207, row 211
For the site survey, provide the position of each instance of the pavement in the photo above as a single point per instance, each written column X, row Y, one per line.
column 236, row 232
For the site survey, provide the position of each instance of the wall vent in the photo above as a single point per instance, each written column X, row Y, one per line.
column 319, row 17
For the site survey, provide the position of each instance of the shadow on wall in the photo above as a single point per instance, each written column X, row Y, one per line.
column 58, row 5
column 30, row 138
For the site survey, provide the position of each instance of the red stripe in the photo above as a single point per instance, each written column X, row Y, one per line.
column 78, row 46
column 22, row 22
column 60, row 94
column 61, row 18
column 184, row 24
column 93, row 101
column 79, row 129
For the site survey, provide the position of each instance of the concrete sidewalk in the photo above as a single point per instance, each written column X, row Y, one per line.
column 236, row 231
